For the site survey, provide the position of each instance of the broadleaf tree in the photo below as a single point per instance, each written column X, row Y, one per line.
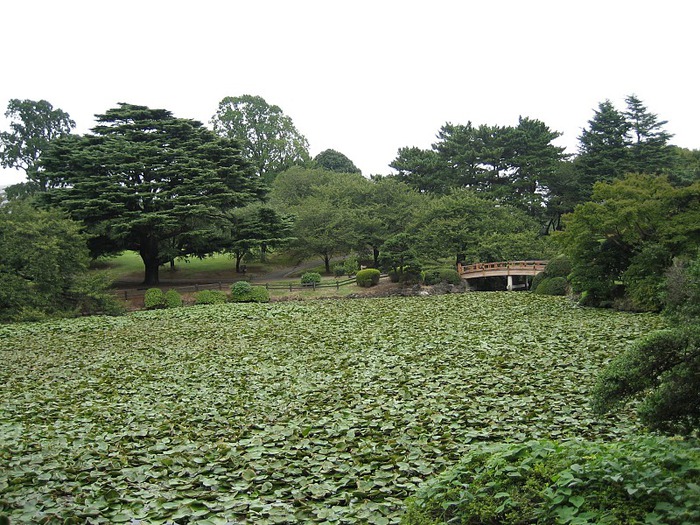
column 148, row 182
column 270, row 140
column 34, row 124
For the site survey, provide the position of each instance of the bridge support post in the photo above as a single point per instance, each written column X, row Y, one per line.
column 510, row 283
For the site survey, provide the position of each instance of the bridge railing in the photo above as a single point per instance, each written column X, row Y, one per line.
column 533, row 266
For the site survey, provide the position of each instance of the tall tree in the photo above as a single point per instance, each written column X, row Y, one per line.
column 603, row 148
column 149, row 182
column 269, row 138
column 34, row 124
column 333, row 160
column 649, row 149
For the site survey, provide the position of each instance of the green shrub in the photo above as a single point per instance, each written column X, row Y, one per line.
column 536, row 280
column 412, row 273
column 442, row 275
column 91, row 295
column 173, row 299
column 351, row 266
column 664, row 368
column 209, row 297
column 367, row 277
column 154, row 298
column 560, row 266
column 241, row 292
column 259, row 294
column 339, row 270
column 553, row 286
column 310, row 278
column 639, row 480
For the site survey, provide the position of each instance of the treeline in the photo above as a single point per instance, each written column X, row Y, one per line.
column 168, row 187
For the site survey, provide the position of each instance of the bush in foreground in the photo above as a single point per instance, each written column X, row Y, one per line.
column 642, row 480
column 664, row 368
column 367, row 277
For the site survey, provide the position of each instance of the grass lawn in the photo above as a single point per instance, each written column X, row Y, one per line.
column 288, row 412
column 129, row 267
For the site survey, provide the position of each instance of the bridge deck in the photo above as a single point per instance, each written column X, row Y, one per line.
column 497, row 269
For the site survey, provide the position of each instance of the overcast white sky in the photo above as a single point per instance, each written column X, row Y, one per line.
column 364, row 77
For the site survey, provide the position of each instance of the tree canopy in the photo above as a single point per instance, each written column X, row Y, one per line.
column 269, row 139
column 34, row 124
column 333, row 160
column 149, row 182
column 628, row 235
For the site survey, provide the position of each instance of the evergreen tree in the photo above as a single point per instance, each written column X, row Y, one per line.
column 148, row 182
column 649, row 149
column 603, row 148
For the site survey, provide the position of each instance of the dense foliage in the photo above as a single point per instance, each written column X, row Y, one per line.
column 244, row 292
column 627, row 236
column 148, row 182
column 43, row 267
column 270, row 141
column 664, row 368
column 34, row 124
column 309, row 412
column 640, row 480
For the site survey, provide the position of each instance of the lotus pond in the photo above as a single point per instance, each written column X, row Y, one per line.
column 304, row 412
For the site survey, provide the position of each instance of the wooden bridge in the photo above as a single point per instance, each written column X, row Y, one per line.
column 507, row 269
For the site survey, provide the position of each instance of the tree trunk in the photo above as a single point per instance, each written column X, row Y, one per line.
column 375, row 253
column 327, row 261
column 239, row 258
column 151, row 271
column 149, row 256
column 263, row 252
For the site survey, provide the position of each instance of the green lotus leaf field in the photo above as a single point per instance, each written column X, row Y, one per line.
column 329, row 411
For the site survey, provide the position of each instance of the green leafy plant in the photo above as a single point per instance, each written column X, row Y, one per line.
column 173, row 299
column 311, row 278
column 552, row 286
column 367, row 277
column 640, row 480
column 662, row 368
column 154, row 298
column 241, row 292
column 442, row 275
column 259, row 294
column 288, row 412
column 210, row 297
column 560, row 266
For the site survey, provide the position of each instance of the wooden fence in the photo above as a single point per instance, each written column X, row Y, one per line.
column 130, row 293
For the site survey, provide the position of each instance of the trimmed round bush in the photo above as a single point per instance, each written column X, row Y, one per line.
column 241, row 292
column 209, row 297
column 173, row 299
column 367, row 277
column 536, row 280
column 450, row 276
column 259, row 294
column 553, row 286
column 442, row 275
column 642, row 479
column 310, row 278
column 558, row 267
column 153, row 299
